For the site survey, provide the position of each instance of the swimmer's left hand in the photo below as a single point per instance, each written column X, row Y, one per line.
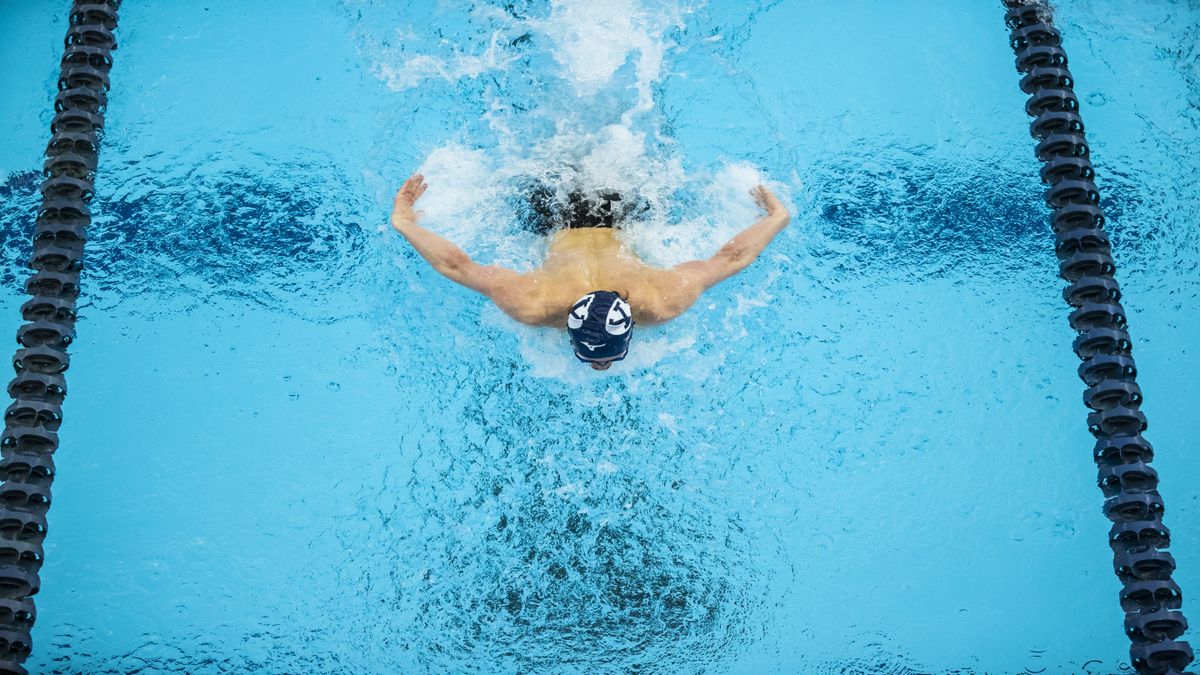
column 402, row 206
column 767, row 200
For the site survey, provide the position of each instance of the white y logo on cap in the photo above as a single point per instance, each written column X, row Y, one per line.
column 580, row 311
column 620, row 318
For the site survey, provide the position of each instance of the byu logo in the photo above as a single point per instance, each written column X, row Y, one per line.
column 620, row 318
column 580, row 311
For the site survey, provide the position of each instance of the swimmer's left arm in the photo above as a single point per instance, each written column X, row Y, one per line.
column 745, row 248
column 694, row 277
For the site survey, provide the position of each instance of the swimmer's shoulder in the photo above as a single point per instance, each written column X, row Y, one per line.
column 662, row 294
column 534, row 298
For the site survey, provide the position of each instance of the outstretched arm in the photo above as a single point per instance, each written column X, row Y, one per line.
column 502, row 285
column 740, row 251
column 683, row 284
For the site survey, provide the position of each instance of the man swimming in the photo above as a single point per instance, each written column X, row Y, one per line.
column 583, row 256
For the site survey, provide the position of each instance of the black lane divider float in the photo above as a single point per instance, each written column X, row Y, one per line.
column 1150, row 598
column 32, row 421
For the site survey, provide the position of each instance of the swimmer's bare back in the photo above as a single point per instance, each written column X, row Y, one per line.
column 579, row 261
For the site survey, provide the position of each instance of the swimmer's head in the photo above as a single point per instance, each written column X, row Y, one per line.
column 600, row 325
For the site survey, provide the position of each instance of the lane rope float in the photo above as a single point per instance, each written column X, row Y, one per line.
column 31, row 423
column 1149, row 596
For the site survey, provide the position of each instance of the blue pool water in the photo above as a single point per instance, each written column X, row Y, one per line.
column 290, row 447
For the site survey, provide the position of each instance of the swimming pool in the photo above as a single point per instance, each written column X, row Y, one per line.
column 291, row 447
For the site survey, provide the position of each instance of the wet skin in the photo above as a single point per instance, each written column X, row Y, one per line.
column 579, row 261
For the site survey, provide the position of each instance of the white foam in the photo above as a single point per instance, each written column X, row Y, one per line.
column 593, row 40
column 723, row 208
column 400, row 72
column 464, row 191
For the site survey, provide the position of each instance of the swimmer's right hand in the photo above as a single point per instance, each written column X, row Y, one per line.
column 767, row 200
column 402, row 207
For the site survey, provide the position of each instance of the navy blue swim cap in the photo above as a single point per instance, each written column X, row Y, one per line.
column 600, row 325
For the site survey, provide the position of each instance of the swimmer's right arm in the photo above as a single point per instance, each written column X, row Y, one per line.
column 505, row 287
column 439, row 252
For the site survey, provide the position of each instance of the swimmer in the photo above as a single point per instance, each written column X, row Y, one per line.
column 585, row 254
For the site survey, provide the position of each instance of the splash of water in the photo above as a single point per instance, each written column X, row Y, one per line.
column 571, row 105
